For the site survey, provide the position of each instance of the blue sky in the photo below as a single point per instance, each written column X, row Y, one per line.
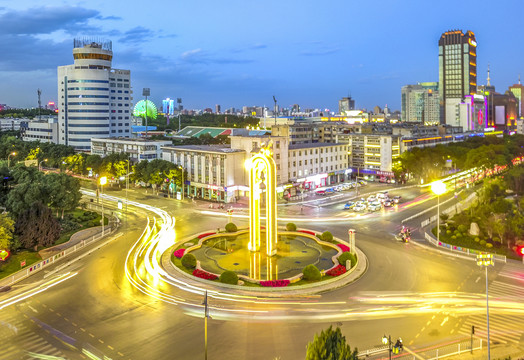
column 242, row 52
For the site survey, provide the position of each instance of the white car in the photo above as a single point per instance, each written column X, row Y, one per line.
column 371, row 198
column 359, row 207
column 375, row 206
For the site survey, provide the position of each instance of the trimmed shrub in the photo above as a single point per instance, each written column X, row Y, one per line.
column 311, row 272
column 462, row 228
column 231, row 227
column 453, row 237
column 291, row 227
column 347, row 256
column 448, row 232
column 482, row 242
column 496, row 239
column 477, row 239
column 327, row 236
column 229, row 277
column 459, row 235
column 456, row 232
column 489, row 245
column 189, row 261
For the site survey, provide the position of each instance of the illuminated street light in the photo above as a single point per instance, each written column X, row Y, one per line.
column 438, row 188
column 485, row 260
column 9, row 158
column 386, row 340
column 103, row 181
column 39, row 169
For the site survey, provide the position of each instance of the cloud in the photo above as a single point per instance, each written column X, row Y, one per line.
column 199, row 56
column 319, row 52
column 45, row 20
column 111, row 17
column 137, row 34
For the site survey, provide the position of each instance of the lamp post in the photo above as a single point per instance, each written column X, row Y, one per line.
column 485, row 260
column 103, row 181
column 182, row 169
column 386, row 340
column 146, row 92
column 9, row 158
column 39, row 169
column 206, row 316
column 438, row 188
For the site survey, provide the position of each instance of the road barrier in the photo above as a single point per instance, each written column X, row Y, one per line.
column 435, row 352
column 45, row 263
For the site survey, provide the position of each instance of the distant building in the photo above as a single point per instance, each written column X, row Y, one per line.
column 217, row 109
column 138, row 149
column 94, row 100
column 518, row 91
column 168, row 107
column 457, row 70
column 45, row 131
column 346, row 104
column 421, row 103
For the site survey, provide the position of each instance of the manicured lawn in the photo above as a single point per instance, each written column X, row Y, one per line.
column 12, row 264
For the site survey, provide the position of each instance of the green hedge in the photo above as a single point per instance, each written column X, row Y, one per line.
column 327, row 236
column 291, row 227
column 347, row 256
column 189, row 261
column 311, row 273
column 229, row 277
column 230, row 227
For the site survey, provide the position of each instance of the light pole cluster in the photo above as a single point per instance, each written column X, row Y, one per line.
column 9, row 158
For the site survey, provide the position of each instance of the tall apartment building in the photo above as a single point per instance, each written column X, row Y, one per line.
column 421, row 103
column 373, row 155
column 94, row 100
column 457, row 71
column 346, row 104
column 518, row 91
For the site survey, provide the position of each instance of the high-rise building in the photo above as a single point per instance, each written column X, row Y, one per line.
column 518, row 91
column 421, row 103
column 94, row 100
column 457, row 71
column 217, row 109
column 346, row 104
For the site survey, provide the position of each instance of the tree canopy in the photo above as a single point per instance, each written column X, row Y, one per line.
column 330, row 345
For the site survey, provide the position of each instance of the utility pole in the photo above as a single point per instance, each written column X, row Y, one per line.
column 206, row 315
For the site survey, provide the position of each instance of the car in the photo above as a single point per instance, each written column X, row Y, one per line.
column 359, row 207
column 350, row 205
column 388, row 203
column 375, row 206
column 396, row 199
column 362, row 182
column 330, row 190
column 371, row 198
column 320, row 191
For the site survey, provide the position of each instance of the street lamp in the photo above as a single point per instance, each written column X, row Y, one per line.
column 103, row 181
column 9, row 158
column 386, row 340
column 438, row 188
column 485, row 260
column 39, row 169
column 182, row 169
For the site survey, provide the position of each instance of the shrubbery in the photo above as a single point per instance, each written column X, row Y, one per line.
column 229, row 277
column 489, row 245
column 291, row 227
column 462, row 228
column 189, row 261
column 327, row 236
column 311, row 273
column 230, row 227
column 347, row 256
column 482, row 242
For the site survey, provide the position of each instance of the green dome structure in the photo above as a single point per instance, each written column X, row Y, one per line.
column 140, row 109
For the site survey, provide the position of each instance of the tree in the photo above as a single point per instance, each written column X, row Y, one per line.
column 330, row 345
column 37, row 226
column 64, row 191
column 94, row 162
column 6, row 231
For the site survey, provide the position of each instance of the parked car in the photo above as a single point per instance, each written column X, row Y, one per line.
column 350, row 205
column 388, row 203
column 396, row 199
column 320, row 191
column 362, row 182
column 371, row 198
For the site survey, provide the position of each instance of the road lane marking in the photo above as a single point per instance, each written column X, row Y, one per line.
column 433, row 317
column 74, row 324
column 101, row 341
column 32, row 308
column 91, row 335
column 119, row 353
column 84, row 330
column 444, row 321
column 429, row 322
column 452, row 331
column 412, row 353
column 110, row 347
column 476, row 281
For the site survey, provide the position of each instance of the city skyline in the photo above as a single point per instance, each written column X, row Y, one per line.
column 209, row 54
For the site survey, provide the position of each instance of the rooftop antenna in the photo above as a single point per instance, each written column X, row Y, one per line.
column 39, row 92
column 488, row 77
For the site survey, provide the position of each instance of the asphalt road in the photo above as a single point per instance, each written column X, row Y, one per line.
column 409, row 291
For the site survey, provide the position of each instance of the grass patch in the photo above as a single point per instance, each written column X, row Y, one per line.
column 12, row 264
column 469, row 242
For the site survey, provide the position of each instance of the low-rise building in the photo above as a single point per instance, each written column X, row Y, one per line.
column 138, row 149
column 45, row 131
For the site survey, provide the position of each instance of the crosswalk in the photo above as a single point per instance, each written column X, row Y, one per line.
column 20, row 342
column 503, row 328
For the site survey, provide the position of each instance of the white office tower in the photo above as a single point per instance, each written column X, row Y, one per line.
column 94, row 99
